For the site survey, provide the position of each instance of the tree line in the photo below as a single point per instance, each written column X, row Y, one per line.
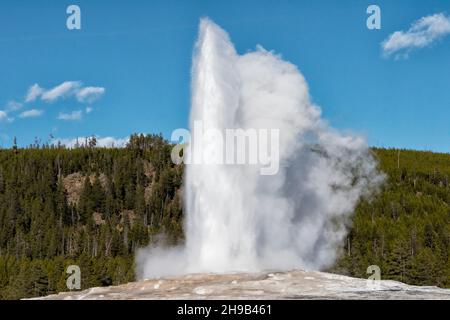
column 87, row 206
column 405, row 229
column 94, row 207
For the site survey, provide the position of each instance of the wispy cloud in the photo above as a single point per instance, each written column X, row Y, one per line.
column 90, row 94
column 63, row 90
column 4, row 117
column 71, row 116
column 34, row 92
column 66, row 89
column 13, row 105
column 31, row 113
column 421, row 34
column 105, row 142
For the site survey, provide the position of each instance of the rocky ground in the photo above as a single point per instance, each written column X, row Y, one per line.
column 297, row 284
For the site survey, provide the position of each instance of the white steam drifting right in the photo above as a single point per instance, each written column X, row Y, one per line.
column 238, row 219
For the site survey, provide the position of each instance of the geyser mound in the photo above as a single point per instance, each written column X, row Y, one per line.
column 238, row 219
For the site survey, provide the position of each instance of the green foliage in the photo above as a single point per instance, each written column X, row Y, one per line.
column 87, row 206
column 405, row 229
column 94, row 207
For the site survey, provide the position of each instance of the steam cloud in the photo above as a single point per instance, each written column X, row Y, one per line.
column 239, row 220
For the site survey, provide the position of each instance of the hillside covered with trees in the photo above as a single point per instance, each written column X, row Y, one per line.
column 94, row 207
column 86, row 206
column 405, row 229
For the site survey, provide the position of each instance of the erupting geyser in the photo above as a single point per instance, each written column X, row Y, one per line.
column 238, row 219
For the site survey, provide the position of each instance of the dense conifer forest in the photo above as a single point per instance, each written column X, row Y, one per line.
column 94, row 207
column 86, row 206
column 405, row 229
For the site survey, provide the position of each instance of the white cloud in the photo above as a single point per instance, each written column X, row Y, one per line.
column 33, row 93
column 13, row 105
column 89, row 110
column 63, row 90
column 31, row 113
column 422, row 33
column 74, row 115
column 111, row 141
column 4, row 117
column 104, row 142
column 89, row 94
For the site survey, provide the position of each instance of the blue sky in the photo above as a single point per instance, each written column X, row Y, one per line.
column 139, row 53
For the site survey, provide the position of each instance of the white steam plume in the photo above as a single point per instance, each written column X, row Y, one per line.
column 239, row 220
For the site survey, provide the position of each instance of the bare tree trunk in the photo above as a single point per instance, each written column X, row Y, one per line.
column 348, row 246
